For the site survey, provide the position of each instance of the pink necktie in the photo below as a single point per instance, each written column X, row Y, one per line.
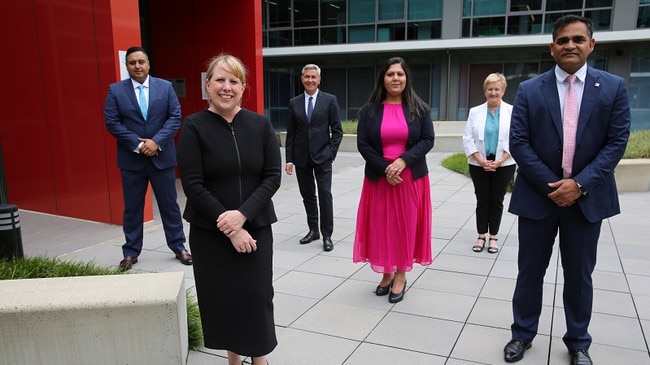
column 569, row 126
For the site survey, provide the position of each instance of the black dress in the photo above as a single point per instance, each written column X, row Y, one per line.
column 225, row 166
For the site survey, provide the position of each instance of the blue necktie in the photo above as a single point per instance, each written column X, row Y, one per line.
column 143, row 102
column 310, row 108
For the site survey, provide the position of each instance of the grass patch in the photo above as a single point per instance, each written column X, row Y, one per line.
column 457, row 163
column 638, row 146
column 349, row 126
column 42, row 267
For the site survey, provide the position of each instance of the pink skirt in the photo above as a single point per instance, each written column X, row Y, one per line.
column 394, row 224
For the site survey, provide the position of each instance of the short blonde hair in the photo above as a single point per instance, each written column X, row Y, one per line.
column 229, row 63
column 495, row 77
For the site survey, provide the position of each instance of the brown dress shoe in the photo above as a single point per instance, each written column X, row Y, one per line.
column 128, row 262
column 185, row 257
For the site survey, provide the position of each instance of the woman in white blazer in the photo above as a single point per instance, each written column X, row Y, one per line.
column 491, row 167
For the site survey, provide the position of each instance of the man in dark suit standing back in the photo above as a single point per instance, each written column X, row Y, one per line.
column 568, row 131
column 314, row 134
column 143, row 114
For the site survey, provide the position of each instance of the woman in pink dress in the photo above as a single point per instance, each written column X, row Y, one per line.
column 395, row 133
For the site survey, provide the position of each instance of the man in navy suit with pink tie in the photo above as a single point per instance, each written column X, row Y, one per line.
column 143, row 114
column 568, row 131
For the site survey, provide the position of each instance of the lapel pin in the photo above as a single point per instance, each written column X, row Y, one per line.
column 596, row 85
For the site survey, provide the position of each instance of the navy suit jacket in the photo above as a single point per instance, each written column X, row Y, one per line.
column 126, row 123
column 536, row 144
column 319, row 139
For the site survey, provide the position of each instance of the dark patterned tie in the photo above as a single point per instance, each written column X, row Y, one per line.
column 310, row 108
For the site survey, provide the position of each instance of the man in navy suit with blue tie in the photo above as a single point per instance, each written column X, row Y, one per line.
column 565, row 181
column 314, row 134
column 143, row 114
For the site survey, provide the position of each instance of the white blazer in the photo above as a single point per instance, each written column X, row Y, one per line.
column 474, row 136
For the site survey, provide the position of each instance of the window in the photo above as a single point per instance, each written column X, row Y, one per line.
column 362, row 11
column 333, row 12
column 424, row 9
column 391, row 9
column 643, row 18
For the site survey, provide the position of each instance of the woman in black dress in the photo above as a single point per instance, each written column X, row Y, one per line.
column 230, row 167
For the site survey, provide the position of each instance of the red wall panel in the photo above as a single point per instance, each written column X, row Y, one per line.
column 205, row 30
column 58, row 156
column 23, row 124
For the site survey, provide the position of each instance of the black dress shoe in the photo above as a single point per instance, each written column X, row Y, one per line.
column 580, row 357
column 311, row 236
column 128, row 262
column 514, row 350
column 184, row 257
column 396, row 298
column 383, row 290
column 327, row 244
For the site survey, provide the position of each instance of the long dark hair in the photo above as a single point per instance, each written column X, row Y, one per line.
column 417, row 106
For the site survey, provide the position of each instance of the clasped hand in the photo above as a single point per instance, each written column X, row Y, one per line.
column 393, row 170
column 230, row 223
column 149, row 147
column 490, row 165
column 565, row 192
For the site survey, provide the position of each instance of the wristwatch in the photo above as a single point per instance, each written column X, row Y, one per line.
column 582, row 189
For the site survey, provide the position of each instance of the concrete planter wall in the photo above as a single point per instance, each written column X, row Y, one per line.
column 631, row 175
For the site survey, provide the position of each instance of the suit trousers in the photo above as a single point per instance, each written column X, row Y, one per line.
column 134, row 186
column 490, row 188
column 578, row 245
column 309, row 177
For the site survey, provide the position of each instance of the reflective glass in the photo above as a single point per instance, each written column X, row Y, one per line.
column 391, row 9
column 488, row 26
column 489, row 7
column 525, row 24
column 333, row 12
column 391, row 32
column 305, row 14
column 525, row 5
column 333, row 35
column 643, row 19
column 280, row 38
column 467, row 7
column 362, row 11
column 424, row 9
column 602, row 19
column 598, row 3
column 361, row 34
column 279, row 14
column 424, row 30
column 639, row 89
column 305, row 37
column 552, row 5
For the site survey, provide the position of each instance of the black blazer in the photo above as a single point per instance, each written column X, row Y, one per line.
column 229, row 166
column 319, row 139
column 420, row 141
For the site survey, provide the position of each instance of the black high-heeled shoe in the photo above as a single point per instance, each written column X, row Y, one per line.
column 383, row 290
column 396, row 298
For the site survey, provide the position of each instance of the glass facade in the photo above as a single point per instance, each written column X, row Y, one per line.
column 318, row 22
column 449, row 80
column 486, row 18
column 639, row 89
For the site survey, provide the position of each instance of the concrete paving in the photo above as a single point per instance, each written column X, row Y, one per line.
column 456, row 311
